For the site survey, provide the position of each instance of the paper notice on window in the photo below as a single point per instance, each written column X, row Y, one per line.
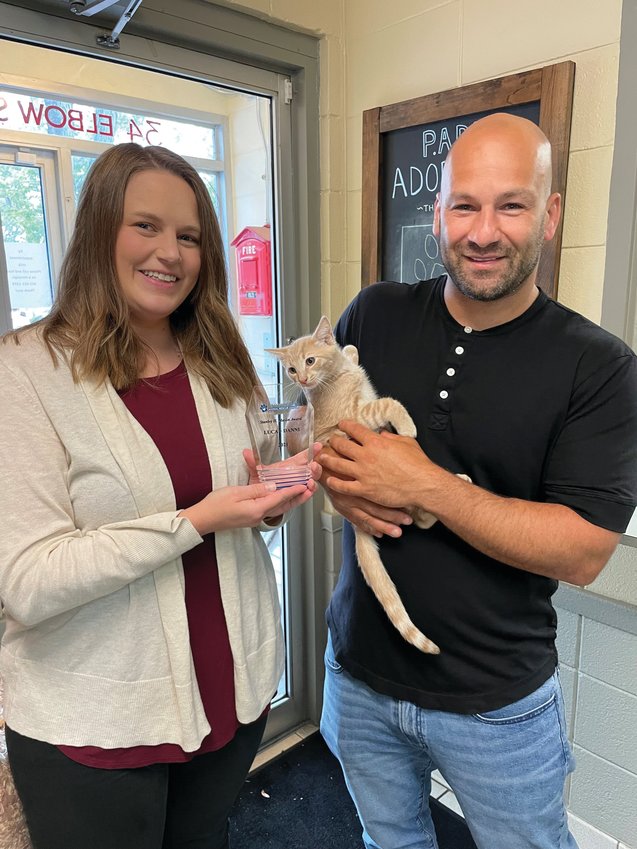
column 29, row 276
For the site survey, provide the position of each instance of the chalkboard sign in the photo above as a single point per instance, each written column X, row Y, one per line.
column 413, row 163
column 405, row 145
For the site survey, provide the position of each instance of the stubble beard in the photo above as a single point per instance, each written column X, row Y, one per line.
column 520, row 264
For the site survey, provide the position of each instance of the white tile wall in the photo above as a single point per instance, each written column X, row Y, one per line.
column 436, row 775
column 598, row 678
column 588, row 837
column 449, row 800
column 609, row 658
column 437, row 789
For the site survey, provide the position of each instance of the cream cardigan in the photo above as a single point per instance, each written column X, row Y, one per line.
column 96, row 648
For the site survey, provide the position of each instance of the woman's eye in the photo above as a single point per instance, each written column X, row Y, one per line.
column 188, row 238
column 144, row 225
column 291, row 370
column 310, row 361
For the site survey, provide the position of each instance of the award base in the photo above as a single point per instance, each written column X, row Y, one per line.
column 284, row 476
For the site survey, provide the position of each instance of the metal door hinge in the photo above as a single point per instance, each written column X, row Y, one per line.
column 287, row 90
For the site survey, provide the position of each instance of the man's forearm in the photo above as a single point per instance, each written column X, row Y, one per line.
column 547, row 539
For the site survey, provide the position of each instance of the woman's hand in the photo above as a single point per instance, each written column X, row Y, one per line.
column 248, row 506
column 244, row 506
column 299, row 459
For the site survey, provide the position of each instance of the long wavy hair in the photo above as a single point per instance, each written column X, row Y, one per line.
column 90, row 318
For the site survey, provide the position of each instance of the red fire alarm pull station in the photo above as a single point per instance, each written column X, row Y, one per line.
column 254, row 270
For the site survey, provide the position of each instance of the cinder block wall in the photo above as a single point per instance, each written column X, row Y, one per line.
column 598, row 659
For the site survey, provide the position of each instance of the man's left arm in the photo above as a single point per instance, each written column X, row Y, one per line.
column 547, row 539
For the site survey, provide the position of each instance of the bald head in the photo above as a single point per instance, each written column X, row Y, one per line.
column 495, row 209
column 503, row 138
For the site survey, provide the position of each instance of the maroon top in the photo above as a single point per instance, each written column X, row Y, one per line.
column 165, row 408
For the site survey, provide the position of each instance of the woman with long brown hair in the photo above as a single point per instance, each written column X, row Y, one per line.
column 143, row 640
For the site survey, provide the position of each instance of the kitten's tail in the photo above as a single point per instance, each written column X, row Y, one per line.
column 385, row 591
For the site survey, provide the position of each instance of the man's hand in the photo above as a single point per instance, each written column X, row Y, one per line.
column 366, row 515
column 384, row 468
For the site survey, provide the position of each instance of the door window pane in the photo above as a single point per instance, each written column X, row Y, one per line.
column 25, row 243
column 81, row 166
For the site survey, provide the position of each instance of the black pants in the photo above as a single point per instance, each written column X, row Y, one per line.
column 163, row 806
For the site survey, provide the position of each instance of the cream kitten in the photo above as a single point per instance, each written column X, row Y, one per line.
column 338, row 388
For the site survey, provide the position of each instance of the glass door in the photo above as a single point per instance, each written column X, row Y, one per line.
column 49, row 136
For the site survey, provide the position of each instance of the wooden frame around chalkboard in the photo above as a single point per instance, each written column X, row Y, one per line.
column 551, row 86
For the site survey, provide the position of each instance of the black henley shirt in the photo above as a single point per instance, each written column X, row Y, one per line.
column 542, row 408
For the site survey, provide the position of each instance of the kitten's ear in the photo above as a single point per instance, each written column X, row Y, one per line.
column 323, row 332
column 278, row 352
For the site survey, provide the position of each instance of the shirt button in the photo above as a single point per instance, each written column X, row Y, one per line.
column 451, row 372
column 444, row 394
column 468, row 330
column 459, row 350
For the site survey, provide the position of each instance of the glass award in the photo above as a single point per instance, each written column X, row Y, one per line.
column 281, row 426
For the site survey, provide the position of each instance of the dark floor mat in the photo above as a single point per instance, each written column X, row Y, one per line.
column 307, row 806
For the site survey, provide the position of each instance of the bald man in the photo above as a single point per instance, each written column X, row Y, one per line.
column 538, row 406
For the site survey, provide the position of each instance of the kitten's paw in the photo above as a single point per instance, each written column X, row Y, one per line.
column 423, row 519
column 404, row 428
column 351, row 352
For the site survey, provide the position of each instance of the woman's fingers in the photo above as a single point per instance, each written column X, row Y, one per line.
column 284, row 500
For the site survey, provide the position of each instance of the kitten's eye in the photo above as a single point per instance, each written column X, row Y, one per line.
column 310, row 361
column 291, row 370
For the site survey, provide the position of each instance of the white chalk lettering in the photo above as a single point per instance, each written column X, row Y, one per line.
column 398, row 182
column 412, row 173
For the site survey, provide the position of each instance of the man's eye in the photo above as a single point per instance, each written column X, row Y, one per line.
column 310, row 361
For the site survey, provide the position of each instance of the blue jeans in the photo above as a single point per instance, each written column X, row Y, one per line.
column 507, row 767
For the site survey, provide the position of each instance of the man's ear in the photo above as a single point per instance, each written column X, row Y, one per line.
column 552, row 215
column 436, row 225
